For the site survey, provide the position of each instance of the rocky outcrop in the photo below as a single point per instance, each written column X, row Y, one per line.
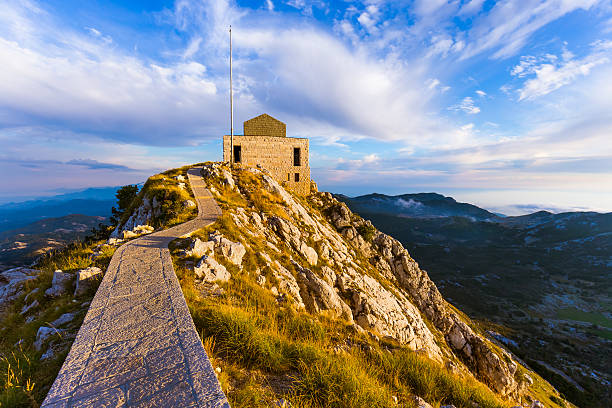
column 60, row 285
column 318, row 295
column 136, row 224
column 209, row 270
column 87, row 279
column 12, row 282
column 395, row 262
column 328, row 260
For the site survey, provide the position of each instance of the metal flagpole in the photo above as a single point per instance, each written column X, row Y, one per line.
column 231, row 105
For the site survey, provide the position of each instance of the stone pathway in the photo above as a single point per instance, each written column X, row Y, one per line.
column 138, row 346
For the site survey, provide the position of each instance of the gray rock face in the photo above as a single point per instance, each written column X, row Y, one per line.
column 86, row 279
column 209, row 270
column 60, row 285
column 137, row 222
column 318, row 295
column 394, row 262
column 11, row 283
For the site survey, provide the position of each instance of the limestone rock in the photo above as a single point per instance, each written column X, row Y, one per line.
column 288, row 284
column 199, row 248
column 43, row 334
column 233, row 251
column 189, row 204
column 209, row 270
column 537, row 404
column 48, row 355
column 318, row 295
column 63, row 319
column 60, row 285
column 421, row 403
column 86, row 279
column 309, row 253
column 11, row 282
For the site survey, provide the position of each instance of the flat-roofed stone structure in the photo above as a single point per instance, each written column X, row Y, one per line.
column 265, row 143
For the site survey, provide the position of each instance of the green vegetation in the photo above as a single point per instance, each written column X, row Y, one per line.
column 366, row 231
column 581, row 316
column 125, row 196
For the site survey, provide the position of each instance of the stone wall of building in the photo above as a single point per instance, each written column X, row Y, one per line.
column 274, row 154
column 265, row 125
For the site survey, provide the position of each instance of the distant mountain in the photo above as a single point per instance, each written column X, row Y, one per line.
column 422, row 205
column 23, row 245
column 545, row 277
column 91, row 202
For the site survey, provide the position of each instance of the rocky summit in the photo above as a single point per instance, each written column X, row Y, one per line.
column 297, row 300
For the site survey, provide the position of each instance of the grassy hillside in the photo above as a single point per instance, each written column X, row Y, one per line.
column 267, row 351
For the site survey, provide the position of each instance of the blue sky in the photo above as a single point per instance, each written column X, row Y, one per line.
column 502, row 104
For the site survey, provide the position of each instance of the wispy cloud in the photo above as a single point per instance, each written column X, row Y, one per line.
column 466, row 105
column 549, row 72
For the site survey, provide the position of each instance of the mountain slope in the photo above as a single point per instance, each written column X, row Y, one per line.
column 312, row 257
column 545, row 278
column 23, row 245
column 297, row 300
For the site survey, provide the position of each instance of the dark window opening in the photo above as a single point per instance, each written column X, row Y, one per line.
column 296, row 156
column 288, row 176
column 237, row 154
column 297, row 177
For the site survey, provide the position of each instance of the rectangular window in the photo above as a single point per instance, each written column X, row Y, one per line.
column 297, row 177
column 296, row 156
column 237, row 154
column 288, row 176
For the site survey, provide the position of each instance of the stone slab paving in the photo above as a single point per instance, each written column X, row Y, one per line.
column 138, row 346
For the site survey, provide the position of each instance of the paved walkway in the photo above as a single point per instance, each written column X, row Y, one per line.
column 138, row 346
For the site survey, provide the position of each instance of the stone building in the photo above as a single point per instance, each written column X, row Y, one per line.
column 265, row 143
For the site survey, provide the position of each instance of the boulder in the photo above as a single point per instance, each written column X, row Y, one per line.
column 43, row 334
column 189, row 204
column 63, row 319
column 199, row 248
column 232, row 251
column 86, row 279
column 48, row 355
column 421, row 403
column 309, row 253
column 11, row 282
column 209, row 270
column 60, row 285
column 537, row 404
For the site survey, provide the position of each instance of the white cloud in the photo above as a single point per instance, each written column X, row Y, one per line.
column 192, row 48
column 548, row 73
column 481, row 93
column 471, row 7
column 96, row 33
column 270, row 5
column 509, row 24
column 466, row 105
